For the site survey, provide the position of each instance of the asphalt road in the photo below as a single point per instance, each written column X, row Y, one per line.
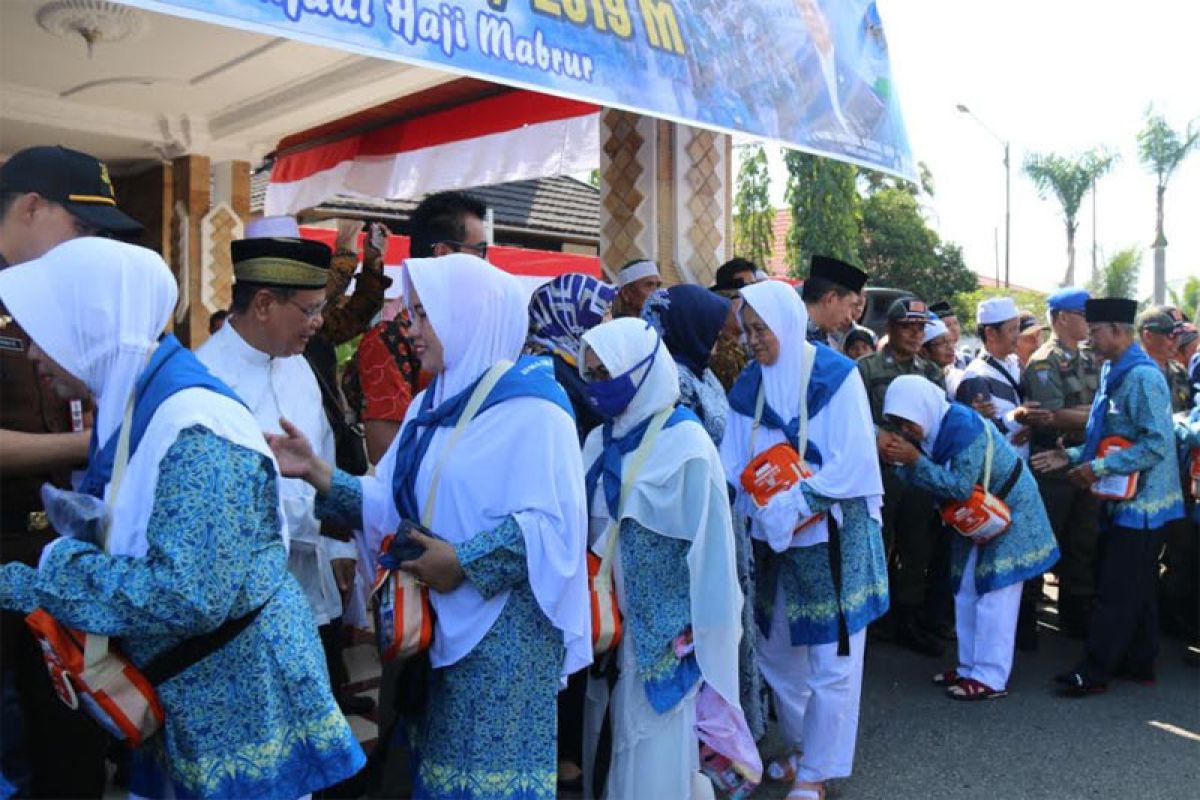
column 1133, row 742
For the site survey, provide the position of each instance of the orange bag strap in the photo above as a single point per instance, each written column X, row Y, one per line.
column 806, row 368
column 657, row 423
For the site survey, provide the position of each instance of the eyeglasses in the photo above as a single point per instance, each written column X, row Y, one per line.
column 479, row 248
column 309, row 313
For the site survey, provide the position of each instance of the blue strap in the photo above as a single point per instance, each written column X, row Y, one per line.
column 531, row 376
column 172, row 369
column 608, row 463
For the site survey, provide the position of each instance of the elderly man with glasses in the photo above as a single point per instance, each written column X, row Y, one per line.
column 278, row 301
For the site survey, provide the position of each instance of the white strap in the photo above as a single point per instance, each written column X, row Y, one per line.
column 482, row 390
column 987, row 459
column 95, row 648
column 806, row 368
column 629, row 475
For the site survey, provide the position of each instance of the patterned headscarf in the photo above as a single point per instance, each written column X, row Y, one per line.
column 563, row 310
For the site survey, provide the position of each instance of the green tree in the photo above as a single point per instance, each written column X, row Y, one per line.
column 1119, row 277
column 1161, row 150
column 1068, row 179
column 901, row 251
column 753, row 217
column 825, row 210
column 1187, row 299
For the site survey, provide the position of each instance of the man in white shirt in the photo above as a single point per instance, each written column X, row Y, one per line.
column 278, row 298
column 992, row 382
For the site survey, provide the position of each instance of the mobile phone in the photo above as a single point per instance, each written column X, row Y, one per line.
column 377, row 236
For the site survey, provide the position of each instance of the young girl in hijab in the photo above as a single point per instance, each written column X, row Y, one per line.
column 506, row 571
column 560, row 312
column 673, row 559
column 948, row 461
column 818, row 586
column 194, row 538
column 690, row 319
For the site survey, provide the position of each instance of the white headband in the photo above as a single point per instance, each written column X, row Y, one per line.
column 636, row 271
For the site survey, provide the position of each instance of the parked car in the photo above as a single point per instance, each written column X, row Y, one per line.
column 879, row 300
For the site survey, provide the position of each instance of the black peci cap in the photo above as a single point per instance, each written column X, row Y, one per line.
column 1111, row 309
column 839, row 272
column 942, row 309
column 290, row 263
column 75, row 180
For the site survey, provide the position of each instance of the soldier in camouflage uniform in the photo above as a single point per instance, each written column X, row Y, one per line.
column 1062, row 377
column 910, row 529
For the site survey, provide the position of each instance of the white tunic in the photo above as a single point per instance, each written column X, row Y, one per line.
column 286, row 387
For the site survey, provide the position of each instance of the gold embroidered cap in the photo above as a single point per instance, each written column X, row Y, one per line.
column 282, row 262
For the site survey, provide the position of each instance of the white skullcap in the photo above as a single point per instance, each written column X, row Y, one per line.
column 636, row 271
column 934, row 329
column 281, row 227
column 997, row 309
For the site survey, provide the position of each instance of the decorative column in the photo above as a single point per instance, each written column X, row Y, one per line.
column 224, row 222
column 665, row 194
column 192, row 186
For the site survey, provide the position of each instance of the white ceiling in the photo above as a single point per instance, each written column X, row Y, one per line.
column 181, row 86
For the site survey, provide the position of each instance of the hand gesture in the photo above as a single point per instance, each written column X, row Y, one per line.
column 1083, row 476
column 898, row 450
column 292, row 450
column 1050, row 460
column 347, row 234
column 438, row 566
column 984, row 406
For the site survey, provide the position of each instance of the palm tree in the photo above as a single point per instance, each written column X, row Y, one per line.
column 1068, row 179
column 1161, row 150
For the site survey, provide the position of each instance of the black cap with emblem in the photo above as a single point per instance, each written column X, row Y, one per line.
column 285, row 263
column 74, row 180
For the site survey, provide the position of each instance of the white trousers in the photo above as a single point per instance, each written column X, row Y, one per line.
column 817, row 694
column 987, row 629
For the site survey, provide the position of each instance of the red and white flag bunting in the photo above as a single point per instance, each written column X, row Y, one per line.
column 515, row 136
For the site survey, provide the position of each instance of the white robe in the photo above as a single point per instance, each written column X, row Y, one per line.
column 286, row 387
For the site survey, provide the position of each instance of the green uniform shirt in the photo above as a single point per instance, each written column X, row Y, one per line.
column 879, row 369
column 1179, row 386
column 1057, row 378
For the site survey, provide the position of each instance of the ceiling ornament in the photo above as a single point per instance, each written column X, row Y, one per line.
column 94, row 21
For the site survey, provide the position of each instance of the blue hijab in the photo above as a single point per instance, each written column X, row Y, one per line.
column 960, row 426
column 689, row 319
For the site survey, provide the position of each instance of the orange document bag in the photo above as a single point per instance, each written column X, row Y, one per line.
column 1115, row 487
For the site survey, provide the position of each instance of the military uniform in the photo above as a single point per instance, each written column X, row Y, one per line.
column 1180, row 387
column 1178, row 589
column 910, row 528
column 1057, row 378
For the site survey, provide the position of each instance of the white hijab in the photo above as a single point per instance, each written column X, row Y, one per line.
column 784, row 313
column 620, row 345
column 520, row 458
column 470, row 305
column 919, row 400
column 678, row 493
column 97, row 307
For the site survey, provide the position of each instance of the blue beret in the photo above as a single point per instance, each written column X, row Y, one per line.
column 1068, row 299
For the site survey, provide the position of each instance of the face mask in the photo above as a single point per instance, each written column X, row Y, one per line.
column 609, row 398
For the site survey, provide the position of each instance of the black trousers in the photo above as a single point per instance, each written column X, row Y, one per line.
column 331, row 643
column 911, row 536
column 1123, row 633
column 1179, row 584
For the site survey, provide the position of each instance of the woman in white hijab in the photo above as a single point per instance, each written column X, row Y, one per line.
column 507, row 570
column 193, row 542
column 942, row 450
column 673, row 560
column 819, row 585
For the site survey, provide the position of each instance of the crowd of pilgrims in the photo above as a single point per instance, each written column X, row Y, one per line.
column 509, row 438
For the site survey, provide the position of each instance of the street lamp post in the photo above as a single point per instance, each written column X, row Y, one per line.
column 1007, row 186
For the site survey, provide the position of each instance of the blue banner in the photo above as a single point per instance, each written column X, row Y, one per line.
column 809, row 74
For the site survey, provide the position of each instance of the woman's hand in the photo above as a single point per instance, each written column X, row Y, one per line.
column 897, row 450
column 438, row 566
column 296, row 458
column 1083, row 476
